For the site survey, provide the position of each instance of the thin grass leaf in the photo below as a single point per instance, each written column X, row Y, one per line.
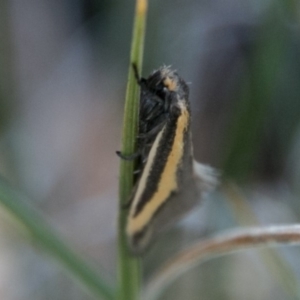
column 226, row 243
column 279, row 268
column 21, row 211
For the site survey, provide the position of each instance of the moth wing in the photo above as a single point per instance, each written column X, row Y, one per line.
column 207, row 178
column 175, row 206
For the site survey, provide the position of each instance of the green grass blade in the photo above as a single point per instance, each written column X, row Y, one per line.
column 257, row 92
column 128, row 266
column 21, row 211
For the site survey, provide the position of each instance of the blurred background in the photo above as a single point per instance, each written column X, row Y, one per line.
column 63, row 72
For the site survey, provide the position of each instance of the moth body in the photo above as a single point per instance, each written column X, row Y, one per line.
column 167, row 186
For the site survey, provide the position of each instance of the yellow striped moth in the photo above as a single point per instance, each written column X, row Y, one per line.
column 169, row 182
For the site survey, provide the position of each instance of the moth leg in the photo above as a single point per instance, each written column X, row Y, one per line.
column 127, row 205
column 128, row 157
column 155, row 111
column 139, row 79
column 154, row 131
column 136, row 72
column 137, row 172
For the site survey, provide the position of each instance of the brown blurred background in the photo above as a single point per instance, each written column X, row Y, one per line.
column 63, row 68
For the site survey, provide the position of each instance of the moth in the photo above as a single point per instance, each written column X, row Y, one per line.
column 169, row 182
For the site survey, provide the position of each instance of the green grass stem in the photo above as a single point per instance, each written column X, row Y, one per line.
column 129, row 266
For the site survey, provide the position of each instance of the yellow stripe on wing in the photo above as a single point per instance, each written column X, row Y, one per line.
column 168, row 179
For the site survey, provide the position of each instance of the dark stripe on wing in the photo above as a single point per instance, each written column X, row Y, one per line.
column 160, row 159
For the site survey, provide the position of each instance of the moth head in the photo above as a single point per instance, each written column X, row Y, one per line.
column 166, row 81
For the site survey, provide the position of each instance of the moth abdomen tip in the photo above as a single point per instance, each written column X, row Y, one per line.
column 139, row 241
